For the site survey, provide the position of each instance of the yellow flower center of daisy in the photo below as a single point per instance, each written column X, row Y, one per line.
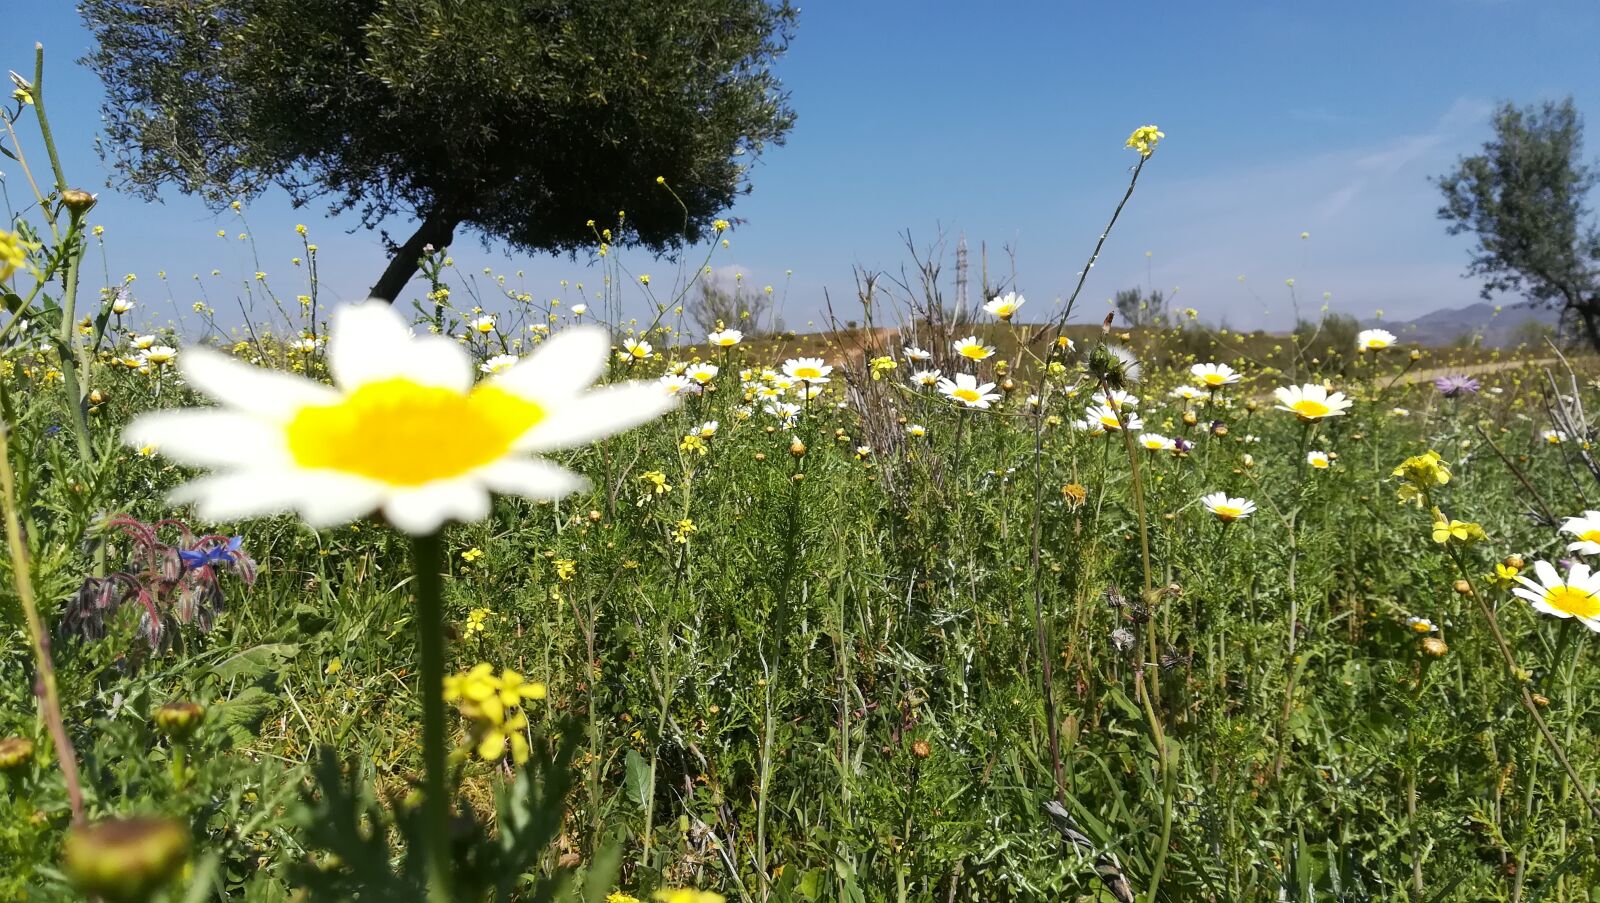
column 975, row 352
column 1152, row 444
column 405, row 434
column 1227, row 512
column 1311, row 408
column 1319, row 462
column 1213, row 379
column 969, row 396
column 1573, row 600
column 1110, row 421
column 1590, row 536
column 806, row 373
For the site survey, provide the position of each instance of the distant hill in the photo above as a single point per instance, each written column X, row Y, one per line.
column 1446, row 327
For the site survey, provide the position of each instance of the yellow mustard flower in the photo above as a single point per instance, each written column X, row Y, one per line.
column 13, row 254
column 1144, row 139
column 1446, row 530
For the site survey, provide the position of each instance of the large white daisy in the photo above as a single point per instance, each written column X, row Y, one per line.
column 1587, row 531
column 1374, row 339
column 1311, row 401
column 1214, row 376
column 1228, row 508
column 1575, row 596
column 966, row 390
column 1004, row 306
column 403, row 430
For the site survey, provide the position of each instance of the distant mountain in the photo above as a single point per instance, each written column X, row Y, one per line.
column 1510, row 327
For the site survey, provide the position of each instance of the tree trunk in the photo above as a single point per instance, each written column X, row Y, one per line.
column 1589, row 313
column 436, row 230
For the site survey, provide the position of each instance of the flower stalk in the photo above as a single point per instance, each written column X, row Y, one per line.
column 427, row 554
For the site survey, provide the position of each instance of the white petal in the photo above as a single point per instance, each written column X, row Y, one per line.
column 209, row 437
column 534, row 478
column 323, row 499
column 270, row 393
column 1546, row 573
column 426, row 508
column 1549, row 609
column 569, row 362
column 372, row 342
column 607, row 410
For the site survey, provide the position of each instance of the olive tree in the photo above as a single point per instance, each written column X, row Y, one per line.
column 1525, row 201
column 522, row 120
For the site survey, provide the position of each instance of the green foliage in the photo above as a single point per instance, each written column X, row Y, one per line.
column 1524, row 200
column 523, row 121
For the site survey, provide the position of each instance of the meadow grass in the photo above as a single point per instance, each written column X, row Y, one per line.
column 885, row 644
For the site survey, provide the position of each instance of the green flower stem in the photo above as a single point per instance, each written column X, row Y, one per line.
column 780, row 634
column 180, row 766
column 44, row 119
column 427, row 553
column 1526, row 695
column 21, row 576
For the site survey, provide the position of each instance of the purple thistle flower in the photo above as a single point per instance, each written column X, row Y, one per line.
column 1455, row 386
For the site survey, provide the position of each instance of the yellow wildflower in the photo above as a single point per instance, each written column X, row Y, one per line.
column 687, row 895
column 1445, row 530
column 13, row 254
column 1145, row 138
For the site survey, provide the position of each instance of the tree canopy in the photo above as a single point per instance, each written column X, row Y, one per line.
column 521, row 119
column 1525, row 201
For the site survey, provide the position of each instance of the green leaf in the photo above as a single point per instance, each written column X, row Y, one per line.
column 257, row 661
column 637, row 779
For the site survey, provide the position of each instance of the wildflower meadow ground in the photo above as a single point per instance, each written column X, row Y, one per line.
column 509, row 596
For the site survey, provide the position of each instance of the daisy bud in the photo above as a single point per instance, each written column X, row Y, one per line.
column 178, row 720
column 15, row 752
column 77, row 200
column 1247, row 461
column 1250, row 405
column 97, row 397
column 1189, row 418
column 797, row 448
column 1008, row 385
column 761, row 456
column 125, row 859
column 921, row 749
column 1416, row 355
column 1462, row 587
column 1515, row 561
column 595, row 516
column 1433, row 647
column 1541, row 700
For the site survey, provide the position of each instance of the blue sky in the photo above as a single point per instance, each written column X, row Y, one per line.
column 1005, row 122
